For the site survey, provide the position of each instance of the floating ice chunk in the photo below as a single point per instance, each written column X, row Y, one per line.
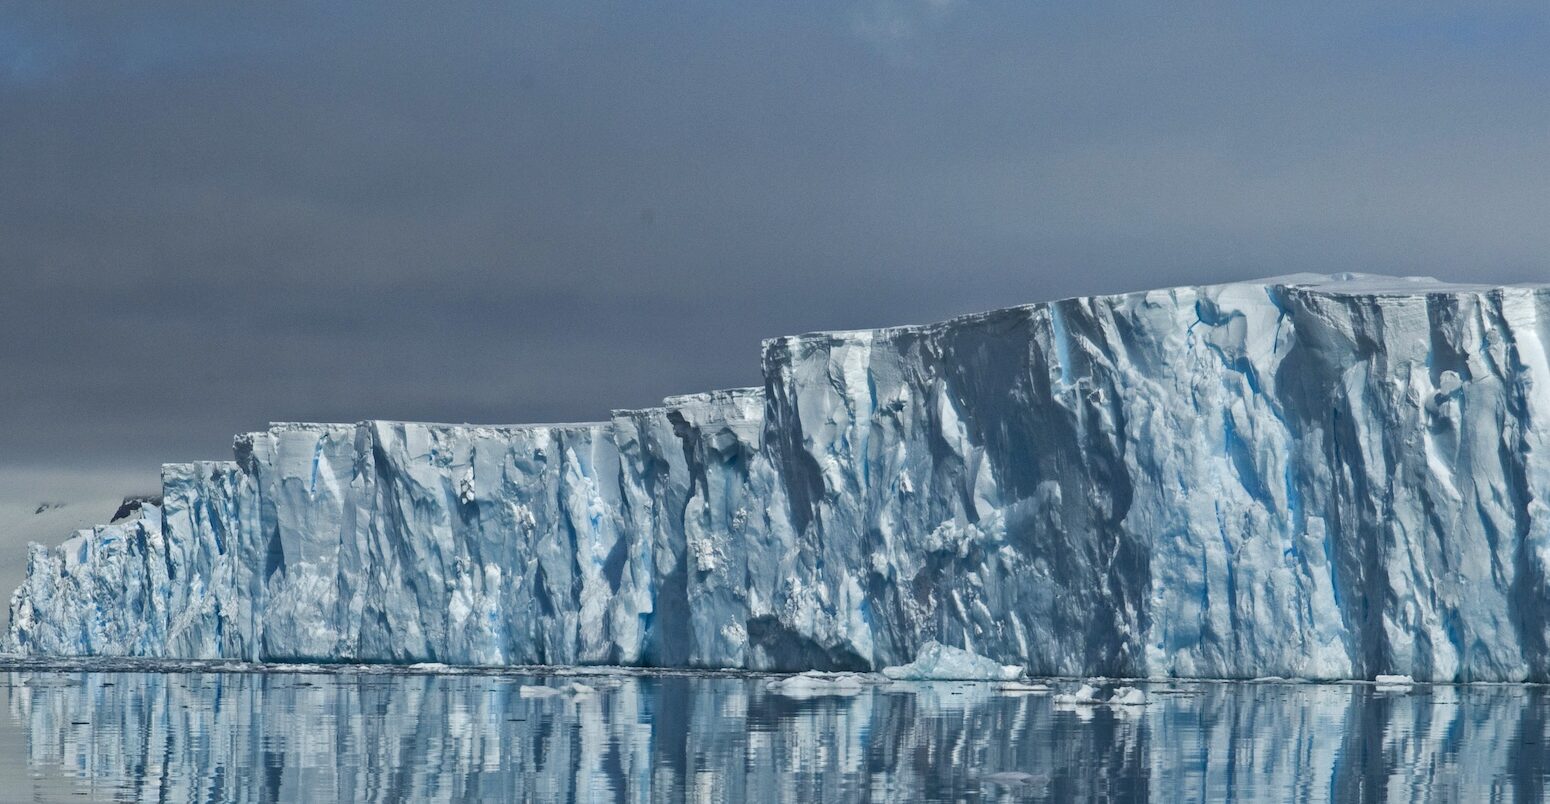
column 1085, row 695
column 1020, row 688
column 1127, row 696
column 814, row 684
column 1394, row 683
column 573, row 689
column 938, row 662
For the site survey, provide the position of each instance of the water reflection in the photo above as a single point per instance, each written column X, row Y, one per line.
column 217, row 736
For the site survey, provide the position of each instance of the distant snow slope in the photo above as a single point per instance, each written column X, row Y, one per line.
column 22, row 523
column 72, row 500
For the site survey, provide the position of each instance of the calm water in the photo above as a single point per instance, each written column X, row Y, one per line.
column 113, row 732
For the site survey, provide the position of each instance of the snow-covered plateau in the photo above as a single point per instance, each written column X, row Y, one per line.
column 1308, row 476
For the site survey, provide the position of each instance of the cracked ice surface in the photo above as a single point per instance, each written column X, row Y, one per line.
column 1307, row 476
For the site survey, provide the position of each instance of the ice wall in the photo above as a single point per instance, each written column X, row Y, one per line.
column 1309, row 478
column 1306, row 476
column 488, row 545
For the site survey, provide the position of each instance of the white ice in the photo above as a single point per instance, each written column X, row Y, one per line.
column 938, row 662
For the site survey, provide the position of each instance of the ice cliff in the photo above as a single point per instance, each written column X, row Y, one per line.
column 1307, row 476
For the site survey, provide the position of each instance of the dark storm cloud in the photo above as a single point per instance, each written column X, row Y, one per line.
column 211, row 217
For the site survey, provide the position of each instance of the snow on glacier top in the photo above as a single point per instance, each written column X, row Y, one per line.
column 1381, row 284
column 740, row 395
column 276, row 427
column 718, row 395
column 1336, row 284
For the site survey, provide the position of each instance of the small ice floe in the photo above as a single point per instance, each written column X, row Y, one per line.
column 1279, row 680
column 290, row 667
column 938, row 662
column 1127, row 696
column 1085, row 695
column 816, row 684
column 572, row 689
column 1022, row 688
column 1394, row 683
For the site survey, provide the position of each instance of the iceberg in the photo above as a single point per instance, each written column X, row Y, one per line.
column 1315, row 477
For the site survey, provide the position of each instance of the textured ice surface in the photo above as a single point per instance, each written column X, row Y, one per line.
column 1309, row 476
column 938, row 662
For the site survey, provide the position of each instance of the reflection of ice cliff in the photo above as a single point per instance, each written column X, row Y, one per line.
column 1308, row 476
column 393, row 737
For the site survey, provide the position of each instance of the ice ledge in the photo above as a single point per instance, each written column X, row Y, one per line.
column 1346, row 284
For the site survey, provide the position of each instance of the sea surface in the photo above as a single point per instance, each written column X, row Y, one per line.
column 135, row 731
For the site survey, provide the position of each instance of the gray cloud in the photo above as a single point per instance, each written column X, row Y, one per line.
column 890, row 25
column 211, row 217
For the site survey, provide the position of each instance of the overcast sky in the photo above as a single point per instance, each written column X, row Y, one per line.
column 213, row 217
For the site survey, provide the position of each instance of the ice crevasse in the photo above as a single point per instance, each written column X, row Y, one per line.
column 1307, row 476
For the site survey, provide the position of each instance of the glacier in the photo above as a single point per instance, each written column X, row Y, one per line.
column 1306, row 476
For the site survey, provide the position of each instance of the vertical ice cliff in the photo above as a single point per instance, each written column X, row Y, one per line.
column 1302, row 478
column 204, row 505
column 1307, row 476
column 488, row 545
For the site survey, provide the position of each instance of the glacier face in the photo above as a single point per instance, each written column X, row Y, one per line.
column 1309, row 476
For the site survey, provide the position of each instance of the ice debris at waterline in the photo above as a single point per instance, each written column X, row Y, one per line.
column 1314, row 477
column 1127, row 696
column 818, row 684
column 1087, row 695
column 938, row 662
